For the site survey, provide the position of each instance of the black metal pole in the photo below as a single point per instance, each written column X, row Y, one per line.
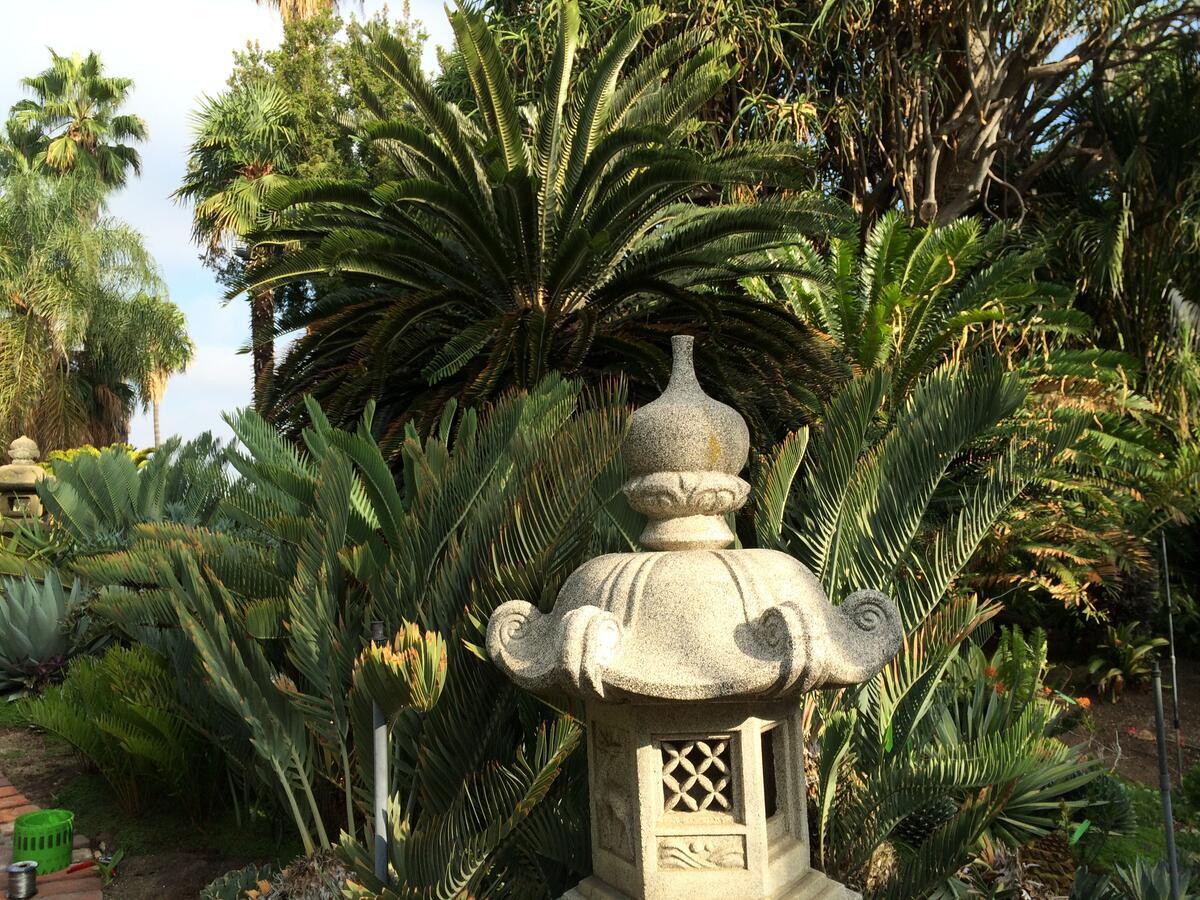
column 1174, row 674
column 1164, row 780
column 380, row 752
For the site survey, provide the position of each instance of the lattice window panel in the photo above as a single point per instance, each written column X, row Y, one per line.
column 697, row 776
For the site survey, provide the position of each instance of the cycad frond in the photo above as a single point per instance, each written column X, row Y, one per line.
column 582, row 233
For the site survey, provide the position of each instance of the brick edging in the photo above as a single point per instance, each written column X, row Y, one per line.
column 82, row 885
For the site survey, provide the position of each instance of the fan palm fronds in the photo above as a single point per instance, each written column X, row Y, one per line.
column 73, row 122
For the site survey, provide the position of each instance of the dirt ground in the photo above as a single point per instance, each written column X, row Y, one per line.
column 1124, row 731
column 46, row 769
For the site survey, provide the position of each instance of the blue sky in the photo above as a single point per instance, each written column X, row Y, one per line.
column 175, row 51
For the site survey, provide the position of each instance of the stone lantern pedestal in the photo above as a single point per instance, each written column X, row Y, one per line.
column 707, row 806
column 690, row 659
column 18, row 484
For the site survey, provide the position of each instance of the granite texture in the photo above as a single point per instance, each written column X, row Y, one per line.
column 693, row 625
column 691, row 620
column 685, row 430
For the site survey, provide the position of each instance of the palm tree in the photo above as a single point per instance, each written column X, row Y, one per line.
column 243, row 146
column 576, row 235
column 75, row 123
column 73, row 346
column 298, row 10
column 167, row 349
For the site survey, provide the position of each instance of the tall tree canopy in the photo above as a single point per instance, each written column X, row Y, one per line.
column 940, row 108
column 281, row 116
column 245, row 140
column 73, row 122
column 80, row 310
column 298, row 10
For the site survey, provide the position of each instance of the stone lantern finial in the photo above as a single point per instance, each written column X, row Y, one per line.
column 691, row 658
column 23, row 450
column 684, row 451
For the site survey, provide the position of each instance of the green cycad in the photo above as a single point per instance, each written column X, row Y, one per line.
column 883, row 500
column 571, row 235
column 267, row 619
column 94, row 502
column 908, row 298
column 121, row 713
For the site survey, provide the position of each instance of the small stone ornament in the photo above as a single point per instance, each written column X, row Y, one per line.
column 18, row 484
column 691, row 657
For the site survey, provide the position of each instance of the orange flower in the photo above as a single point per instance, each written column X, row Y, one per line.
column 1084, row 702
column 990, row 672
column 999, row 688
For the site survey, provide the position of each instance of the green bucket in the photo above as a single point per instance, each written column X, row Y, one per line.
column 46, row 837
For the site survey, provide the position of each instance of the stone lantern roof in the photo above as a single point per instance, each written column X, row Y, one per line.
column 691, row 620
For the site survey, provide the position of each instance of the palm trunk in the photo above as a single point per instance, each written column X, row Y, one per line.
column 157, row 389
column 262, row 330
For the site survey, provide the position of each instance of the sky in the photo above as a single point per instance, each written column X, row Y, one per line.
column 175, row 51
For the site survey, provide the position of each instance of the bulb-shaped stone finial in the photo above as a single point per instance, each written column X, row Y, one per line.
column 684, row 451
column 23, row 450
column 685, row 430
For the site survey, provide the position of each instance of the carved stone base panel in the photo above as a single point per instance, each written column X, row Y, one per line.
column 703, row 802
column 702, row 851
column 811, row 886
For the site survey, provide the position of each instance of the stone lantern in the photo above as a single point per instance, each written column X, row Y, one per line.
column 690, row 659
column 18, row 484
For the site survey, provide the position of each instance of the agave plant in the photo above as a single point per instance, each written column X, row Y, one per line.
column 40, row 628
column 1146, row 881
column 574, row 235
column 266, row 621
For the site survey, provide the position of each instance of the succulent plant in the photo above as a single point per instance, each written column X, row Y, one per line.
column 39, row 628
